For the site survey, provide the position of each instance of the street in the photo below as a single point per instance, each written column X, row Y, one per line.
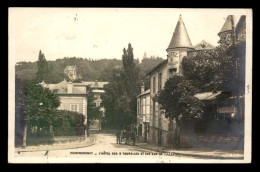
column 105, row 147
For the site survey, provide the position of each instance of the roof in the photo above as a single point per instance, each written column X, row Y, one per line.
column 144, row 93
column 94, row 84
column 158, row 66
column 62, row 87
column 180, row 38
column 204, row 45
column 98, row 91
column 228, row 25
column 207, row 95
column 241, row 28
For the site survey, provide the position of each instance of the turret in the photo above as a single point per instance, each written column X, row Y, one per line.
column 179, row 46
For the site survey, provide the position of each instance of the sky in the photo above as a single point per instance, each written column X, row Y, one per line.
column 99, row 33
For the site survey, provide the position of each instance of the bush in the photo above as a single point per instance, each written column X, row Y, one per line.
column 67, row 123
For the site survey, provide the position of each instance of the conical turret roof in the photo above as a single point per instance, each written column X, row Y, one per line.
column 228, row 24
column 180, row 38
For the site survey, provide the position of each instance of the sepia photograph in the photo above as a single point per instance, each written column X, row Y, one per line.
column 129, row 85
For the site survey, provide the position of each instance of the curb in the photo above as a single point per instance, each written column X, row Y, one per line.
column 192, row 155
column 91, row 144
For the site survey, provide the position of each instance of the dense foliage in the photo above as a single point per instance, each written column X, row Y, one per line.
column 120, row 98
column 177, row 99
column 87, row 69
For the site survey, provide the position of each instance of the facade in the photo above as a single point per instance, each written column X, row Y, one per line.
column 178, row 48
column 143, row 115
column 73, row 96
column 161, row 128
column 98, row 89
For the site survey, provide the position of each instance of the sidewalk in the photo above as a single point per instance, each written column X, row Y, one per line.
column 89, row 141
column 204, row 153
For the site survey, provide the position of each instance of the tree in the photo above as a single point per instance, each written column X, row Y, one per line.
column 40, row 108
column 43, row 67
column 67, row 123
column 201, row 68
column 221, row 69
column 120, row 97
column 178, row 101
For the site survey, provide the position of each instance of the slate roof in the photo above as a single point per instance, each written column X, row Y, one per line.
column 146, row 92
column 158, row 66
column 62, row 88
column 180, row 38
column 204, row 45
column 228, row 25
column 241, row 27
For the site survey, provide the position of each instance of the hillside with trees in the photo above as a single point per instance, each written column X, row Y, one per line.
column 87, row 69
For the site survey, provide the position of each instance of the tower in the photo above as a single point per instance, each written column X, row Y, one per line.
column 179, row 46
column 145, row 56
column 229, row 27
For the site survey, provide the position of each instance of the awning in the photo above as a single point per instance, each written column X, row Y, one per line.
column 229, row 109
column 207, row 95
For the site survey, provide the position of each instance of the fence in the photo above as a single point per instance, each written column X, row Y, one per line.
column 196, row 140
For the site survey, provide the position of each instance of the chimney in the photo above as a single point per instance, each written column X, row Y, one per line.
column 142, row 88
column 70, row 86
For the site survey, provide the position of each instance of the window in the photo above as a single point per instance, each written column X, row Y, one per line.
column 144, row 105
column 154, row 84
column 138, row 107
column 74, row 107
column 160, row 81
column 172, row 71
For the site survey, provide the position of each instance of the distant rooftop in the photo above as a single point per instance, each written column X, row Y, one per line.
column 204, row 45
column 146, row 92
column 62, row 87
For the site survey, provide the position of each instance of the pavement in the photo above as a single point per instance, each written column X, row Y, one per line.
column 102, row 144
column 89, row 141
column 205, row 153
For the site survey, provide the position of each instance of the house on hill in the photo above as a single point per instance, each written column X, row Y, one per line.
column 71, row 72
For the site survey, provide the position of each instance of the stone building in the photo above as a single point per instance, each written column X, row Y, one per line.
column 143, row 115
column 180, row 46
column 98, row 89
column 73, row 96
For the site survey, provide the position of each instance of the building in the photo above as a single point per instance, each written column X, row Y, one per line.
column 143, row 115
column 178, row 48
column 161, row 128
column 71, row 72
column 73, row 96
column 98, row 89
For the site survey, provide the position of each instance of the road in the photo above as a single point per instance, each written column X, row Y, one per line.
column 105, row 147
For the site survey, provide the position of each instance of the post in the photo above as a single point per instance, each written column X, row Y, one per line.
column 25, row 131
